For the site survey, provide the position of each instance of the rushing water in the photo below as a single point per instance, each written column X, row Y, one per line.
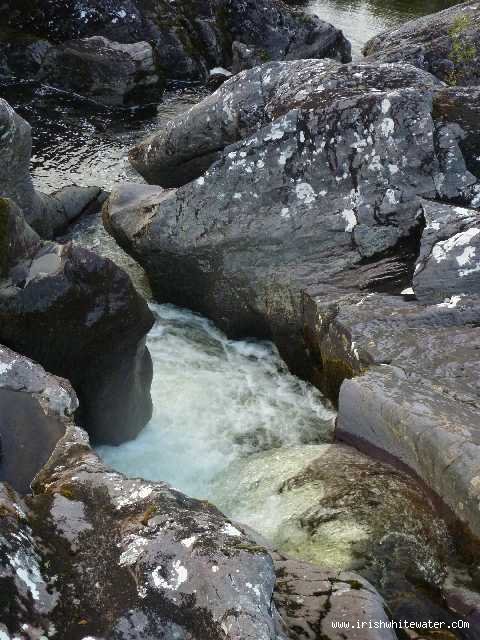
column 216, row 400
column 360, row 20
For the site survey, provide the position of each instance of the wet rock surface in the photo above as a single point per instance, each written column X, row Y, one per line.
column 185, row 40
column 446, row 44
column 92, row 553
column 110, row 72
column 35, row 408
column 48, row 215
column 344, row 511
column 318, row 206
column 310, row 599
column 64, row 294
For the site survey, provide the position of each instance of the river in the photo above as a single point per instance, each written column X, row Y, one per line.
column 222, row 407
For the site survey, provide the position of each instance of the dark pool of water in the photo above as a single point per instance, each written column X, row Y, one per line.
column 77, row 141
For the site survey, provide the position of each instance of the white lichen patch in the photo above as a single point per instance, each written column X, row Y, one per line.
column 229, row 530
column 305, row 192
column 442, row 249
column 178, row 576
column 351, row 220
column 189, row 542
column 135, row 548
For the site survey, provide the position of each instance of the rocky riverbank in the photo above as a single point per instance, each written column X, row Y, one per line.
column 331, row 207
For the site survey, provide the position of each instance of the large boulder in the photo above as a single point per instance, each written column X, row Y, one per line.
column 93, row 554
column 53, row 40
column 446, row 44
column 49, row 215
column 35, row 408
column 79, row 316
column 110, row 72
column 322, row 189
column 193, row 141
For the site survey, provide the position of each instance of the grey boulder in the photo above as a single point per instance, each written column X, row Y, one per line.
column 446, row 44
column 35, row 408
column 79, row 316
column 94, row 554
column 111, row 73
column 448, row 267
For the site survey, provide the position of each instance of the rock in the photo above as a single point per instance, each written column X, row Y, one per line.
column 111, row 73
column 79, row 316
column 15, row 153
column 93, row 554
column 187, row 40
column 48, row 215
column 35, row 408
column 217, row 77
column 325, row 193
column 446, row 44
column 335, row 507
column 17, row 239
column 413, row 395
column 461, row 105
column 244, row 57
column 449, row 262
column 193, row 141
column 309, row 599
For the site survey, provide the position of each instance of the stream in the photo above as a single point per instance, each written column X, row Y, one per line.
column 230, row 423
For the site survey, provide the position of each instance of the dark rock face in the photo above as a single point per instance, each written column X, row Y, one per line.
column 446, row 44
column 110, row 72
column 461, row 105
column 91, row 310
column 188, row 39
column 49, row 215
column 95, row 554
column 325, row 190
column 35, row 408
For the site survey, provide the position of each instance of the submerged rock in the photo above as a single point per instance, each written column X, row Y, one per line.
column 54, row 41
column 446, row 44
column 49, row 215
column 333, row 506
column 35, row 408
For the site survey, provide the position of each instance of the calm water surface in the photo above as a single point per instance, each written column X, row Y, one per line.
column 360, row 20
